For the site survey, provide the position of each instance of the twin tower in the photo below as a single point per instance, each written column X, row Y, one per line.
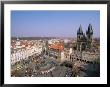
column 84, row 41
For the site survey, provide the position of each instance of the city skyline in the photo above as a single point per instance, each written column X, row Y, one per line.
column 53, row 23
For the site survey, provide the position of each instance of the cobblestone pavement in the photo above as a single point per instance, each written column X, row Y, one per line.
column 40, row 66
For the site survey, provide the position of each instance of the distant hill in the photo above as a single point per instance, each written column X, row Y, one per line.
column 47, row 38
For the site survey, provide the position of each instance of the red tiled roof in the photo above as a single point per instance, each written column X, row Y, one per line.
column 57, row 46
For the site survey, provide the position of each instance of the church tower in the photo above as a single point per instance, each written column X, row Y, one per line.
column 79, row 34
column 79, row 38
column 89, row 34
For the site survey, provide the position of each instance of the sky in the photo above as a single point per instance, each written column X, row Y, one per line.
column 57, row 23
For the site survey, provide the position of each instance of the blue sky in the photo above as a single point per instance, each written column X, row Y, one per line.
column 53, row 23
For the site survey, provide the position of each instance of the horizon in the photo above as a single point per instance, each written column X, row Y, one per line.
column 46, row 37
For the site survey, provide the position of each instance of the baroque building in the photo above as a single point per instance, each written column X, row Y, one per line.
column 84, row 41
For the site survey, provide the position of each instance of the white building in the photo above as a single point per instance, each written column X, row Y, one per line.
column 24, row 53
column 62, row 56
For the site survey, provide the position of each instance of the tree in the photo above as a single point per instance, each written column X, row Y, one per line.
column 67, row 64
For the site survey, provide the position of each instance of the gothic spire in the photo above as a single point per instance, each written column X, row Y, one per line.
column 80, row 31
column 90, row 30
